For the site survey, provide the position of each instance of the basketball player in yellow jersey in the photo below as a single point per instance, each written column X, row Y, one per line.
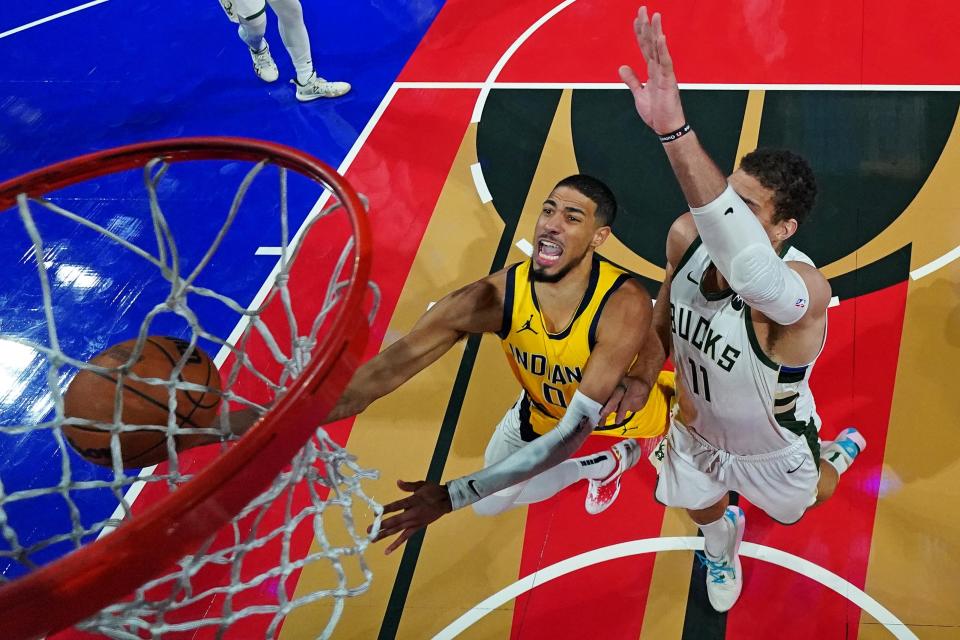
column 571, row 325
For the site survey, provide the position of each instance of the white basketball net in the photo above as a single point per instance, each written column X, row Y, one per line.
column 247, row 575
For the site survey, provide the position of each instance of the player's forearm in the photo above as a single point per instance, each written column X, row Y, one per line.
column 373, row 380
column 700, row 179
column 545, row 452
column 391, row 368
column 651, row 358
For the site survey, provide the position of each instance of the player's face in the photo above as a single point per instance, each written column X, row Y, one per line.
column 760, row 200
column 565, row 234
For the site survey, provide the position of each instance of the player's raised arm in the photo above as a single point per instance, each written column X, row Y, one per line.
column 737, row 242
column 475, row 308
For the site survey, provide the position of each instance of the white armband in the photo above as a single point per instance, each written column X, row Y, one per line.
column 741, row 250
column 548, row 450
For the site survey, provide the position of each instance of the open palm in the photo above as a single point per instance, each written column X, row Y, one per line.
column 657, row 100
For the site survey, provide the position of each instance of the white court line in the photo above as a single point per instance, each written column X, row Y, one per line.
column 269, row 251
column 939, row 263
column 652, row 545
column 683, row 85
column 524, row 245
column 134, row 491
column 834, row 302
column 35, row 23
column 502, row 62
column 480, row 183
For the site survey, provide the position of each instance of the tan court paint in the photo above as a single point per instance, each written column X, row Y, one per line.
column 397, row 434
column 915, row 556
column 670, row 583
column 750, row 132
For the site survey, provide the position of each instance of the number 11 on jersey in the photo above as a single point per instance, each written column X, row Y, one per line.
column 698, row 378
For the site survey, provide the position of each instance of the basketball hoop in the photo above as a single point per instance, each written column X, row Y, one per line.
column 282, row 450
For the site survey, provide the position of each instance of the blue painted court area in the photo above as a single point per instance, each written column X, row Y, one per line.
column 123, row 72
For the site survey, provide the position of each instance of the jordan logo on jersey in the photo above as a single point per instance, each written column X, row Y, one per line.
column 526, row 326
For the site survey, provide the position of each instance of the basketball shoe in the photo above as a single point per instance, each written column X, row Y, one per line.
column 724, row 576
column 602, row 493
column 317, row 87
column 263, row 64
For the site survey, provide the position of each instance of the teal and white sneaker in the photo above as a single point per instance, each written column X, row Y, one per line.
column 724, row 575
column 602, row 493
column 263, row 64
column 317, row 87
column 843, row 451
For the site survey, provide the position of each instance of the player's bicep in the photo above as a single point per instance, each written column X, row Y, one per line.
column 818, row 289
column 622, row 330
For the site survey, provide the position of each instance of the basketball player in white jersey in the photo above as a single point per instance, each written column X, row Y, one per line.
column 745, row 315
column 251, row 16
column 571, row 324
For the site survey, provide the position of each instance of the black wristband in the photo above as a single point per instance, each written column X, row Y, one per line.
column 673, row 135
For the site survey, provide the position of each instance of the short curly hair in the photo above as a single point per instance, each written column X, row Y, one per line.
column 790, row 178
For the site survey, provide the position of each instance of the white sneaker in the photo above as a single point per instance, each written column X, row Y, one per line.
column 263, row 64
column 724, row 576
column 602, row 493
column 317, row 87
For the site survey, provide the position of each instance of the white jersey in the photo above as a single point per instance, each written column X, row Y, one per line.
column 746, row 403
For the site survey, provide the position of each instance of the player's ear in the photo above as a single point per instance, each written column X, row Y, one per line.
column 786, row 229
column 599, row 236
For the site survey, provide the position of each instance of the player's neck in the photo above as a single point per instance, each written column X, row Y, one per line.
column 571, row 287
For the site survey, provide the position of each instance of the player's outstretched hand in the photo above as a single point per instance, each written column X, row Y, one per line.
column 428, row 502
column 629, row 397
column 657, row 100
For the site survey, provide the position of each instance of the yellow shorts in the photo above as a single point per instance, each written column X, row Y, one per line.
column 652, row 420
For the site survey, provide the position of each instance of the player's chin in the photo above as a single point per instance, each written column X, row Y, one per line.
column 548, row 267
column 550, row 273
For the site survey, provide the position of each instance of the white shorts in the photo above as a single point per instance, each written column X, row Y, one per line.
column 506, row 437
column 694, row 475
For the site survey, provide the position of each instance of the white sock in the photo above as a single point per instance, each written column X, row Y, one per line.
column 716, row 536
column 596, row 466
column 836, row 456
column 294, row 34
column 251, row 31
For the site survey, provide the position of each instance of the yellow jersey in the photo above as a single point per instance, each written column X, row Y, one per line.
column 549, row 366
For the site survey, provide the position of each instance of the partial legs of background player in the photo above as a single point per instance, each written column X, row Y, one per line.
column 252, row 20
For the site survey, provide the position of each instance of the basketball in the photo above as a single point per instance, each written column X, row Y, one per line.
column 91, row 396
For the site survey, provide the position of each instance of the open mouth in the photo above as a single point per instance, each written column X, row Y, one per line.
column 548, row 253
